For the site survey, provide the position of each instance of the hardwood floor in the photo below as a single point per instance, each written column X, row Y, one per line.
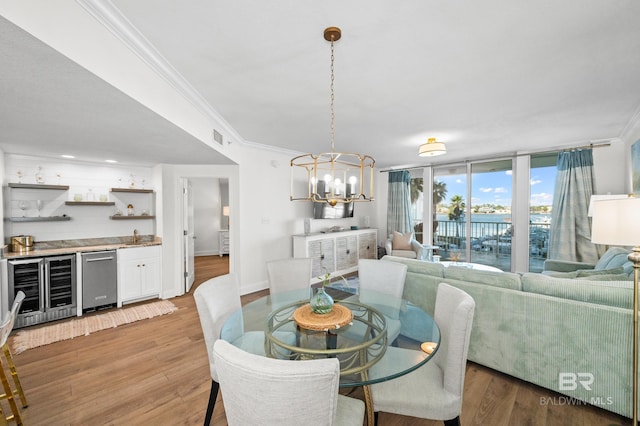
column 156, row 372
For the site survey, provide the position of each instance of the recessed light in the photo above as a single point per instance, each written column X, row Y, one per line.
column 67, row 156
column 110, row 161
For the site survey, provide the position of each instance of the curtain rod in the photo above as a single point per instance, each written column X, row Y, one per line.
column 593, row 145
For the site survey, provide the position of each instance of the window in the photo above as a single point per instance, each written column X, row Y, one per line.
column 542, row 178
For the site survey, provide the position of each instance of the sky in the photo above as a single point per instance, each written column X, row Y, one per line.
column 496, row 188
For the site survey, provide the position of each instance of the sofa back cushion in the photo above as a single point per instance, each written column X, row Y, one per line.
column 419, row 266
column 611, row 293
column 495, row 279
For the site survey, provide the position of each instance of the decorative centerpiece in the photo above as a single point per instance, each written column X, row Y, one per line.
column 321, row 303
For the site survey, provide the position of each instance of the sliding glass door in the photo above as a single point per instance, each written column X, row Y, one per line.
column 473, row 213
column 450, row 205
column 491, row 220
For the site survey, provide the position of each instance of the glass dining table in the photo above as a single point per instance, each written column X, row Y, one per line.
column 355, row 332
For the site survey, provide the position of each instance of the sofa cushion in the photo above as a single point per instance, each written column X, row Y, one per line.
column 402, row 241
column 585, row 273
column 409, row 254
column 614, row 257
column 492, row 278
column 420, row 267
column 611, row 293
column 605, row 277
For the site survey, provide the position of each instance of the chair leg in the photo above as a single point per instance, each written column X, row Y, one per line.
column 452, row 422
column 375, row 418
column 212, row 402
column 14, row 374
column 8, row 394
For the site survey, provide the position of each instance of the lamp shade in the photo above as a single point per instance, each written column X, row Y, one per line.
column 432, row 148
column 616, row 221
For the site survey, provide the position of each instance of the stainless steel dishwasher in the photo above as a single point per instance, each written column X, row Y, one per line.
column 99, row 279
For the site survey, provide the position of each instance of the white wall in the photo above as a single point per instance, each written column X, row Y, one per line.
column 82, row 178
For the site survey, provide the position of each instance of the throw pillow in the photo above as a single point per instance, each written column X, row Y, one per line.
column 402, row 241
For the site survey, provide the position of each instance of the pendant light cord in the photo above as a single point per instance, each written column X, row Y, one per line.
column 332, row 99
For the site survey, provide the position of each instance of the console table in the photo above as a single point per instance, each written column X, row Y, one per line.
column 336, row 252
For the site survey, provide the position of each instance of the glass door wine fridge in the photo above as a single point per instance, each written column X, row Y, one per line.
column 49, row 285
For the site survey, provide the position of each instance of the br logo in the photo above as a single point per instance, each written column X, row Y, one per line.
column 570, row 381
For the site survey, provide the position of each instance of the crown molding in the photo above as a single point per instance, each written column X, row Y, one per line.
column 632, row 128
column 107, row 14
column 257, row 145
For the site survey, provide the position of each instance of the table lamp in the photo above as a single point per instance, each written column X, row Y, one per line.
column 616, row 222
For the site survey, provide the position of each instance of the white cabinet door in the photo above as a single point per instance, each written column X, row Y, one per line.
column 150, row 277
column 139, row 273
column 129, row 272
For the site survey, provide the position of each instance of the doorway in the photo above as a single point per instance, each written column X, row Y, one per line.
column 205, row 202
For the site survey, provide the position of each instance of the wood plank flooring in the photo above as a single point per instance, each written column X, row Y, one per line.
column 156, row 372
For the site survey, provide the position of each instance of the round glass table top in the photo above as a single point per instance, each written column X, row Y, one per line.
column 359, row 344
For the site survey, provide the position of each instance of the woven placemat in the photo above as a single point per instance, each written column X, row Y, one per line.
column 338, row 317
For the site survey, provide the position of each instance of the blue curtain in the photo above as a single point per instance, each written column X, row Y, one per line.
column 399, row 202
column 570, row 237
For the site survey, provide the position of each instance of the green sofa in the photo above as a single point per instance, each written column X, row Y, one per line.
column 570, row 335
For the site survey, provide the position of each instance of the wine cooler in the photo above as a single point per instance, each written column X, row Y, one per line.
column 49, row 285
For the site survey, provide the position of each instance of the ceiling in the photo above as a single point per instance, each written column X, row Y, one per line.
column 487, row 78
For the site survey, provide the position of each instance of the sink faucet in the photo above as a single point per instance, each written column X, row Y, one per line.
column 135, row 236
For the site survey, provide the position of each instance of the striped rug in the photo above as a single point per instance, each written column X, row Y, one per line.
column 33, row 337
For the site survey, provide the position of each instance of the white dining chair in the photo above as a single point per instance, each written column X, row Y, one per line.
column 218, row 302
column 9, row 393
column 264, row 391
column 434, row 391
column 289, row 274
column 385, row 278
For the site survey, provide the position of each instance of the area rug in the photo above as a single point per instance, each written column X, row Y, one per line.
column 34, row 337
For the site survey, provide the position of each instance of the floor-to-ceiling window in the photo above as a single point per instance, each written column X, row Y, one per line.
column 417, row 200
column 473, row 217
column 542, row 177
column 449, row 197
column 490, row 211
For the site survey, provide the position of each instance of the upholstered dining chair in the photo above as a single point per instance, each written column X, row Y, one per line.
column 386, row 278
column 434, row 391
column 289, row 274
column 218, row 301
column 9, row 393
column 264, row 391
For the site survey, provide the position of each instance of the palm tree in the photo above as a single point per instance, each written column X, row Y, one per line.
column 456, row 211
column 416, row 189
column 439, row 194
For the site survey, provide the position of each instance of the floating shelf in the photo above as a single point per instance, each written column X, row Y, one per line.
column 136, row 190
column 40, row 219
column 123, row 217
column 38, row 186
column 90, row 203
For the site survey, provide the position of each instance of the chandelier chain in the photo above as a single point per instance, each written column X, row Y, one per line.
column 332, row 99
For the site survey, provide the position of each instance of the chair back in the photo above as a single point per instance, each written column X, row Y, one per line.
column 289, row 274
column 15, row 308
column 454, row 315
column 385, row 277
column 216, row 300
column 267, row 391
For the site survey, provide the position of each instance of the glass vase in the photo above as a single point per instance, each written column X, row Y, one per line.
column 321, row 302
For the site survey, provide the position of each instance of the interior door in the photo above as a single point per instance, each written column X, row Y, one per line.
column 188, row 234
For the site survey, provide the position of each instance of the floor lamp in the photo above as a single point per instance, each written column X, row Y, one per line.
column 615, row 222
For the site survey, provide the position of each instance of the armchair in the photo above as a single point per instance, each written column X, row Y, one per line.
column 403, row 245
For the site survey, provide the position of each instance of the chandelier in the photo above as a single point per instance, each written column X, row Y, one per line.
column 432, row 148
column 332, row 177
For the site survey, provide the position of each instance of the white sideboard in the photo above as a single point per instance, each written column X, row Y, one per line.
column 336, row 252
